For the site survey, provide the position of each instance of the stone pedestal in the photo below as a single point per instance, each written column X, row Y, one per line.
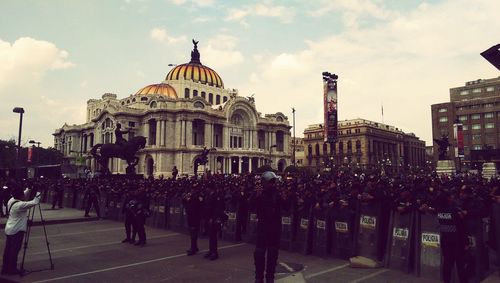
column 446, row 167
column 489, row 170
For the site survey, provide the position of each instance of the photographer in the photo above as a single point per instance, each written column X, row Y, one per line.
column 15, row 228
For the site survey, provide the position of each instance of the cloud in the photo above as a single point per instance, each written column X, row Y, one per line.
column 221, row 51
column 408, row 61
column 283, row 13
column 28, row 60
column 161, row 35
column 199, row 3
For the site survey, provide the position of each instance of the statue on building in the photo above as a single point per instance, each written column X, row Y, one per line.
column 195, row 54
column 443, row 145
column 120, row 140
column 126, row 151
column 202, row 159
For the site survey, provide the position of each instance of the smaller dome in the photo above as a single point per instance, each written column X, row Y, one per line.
column 161, row 88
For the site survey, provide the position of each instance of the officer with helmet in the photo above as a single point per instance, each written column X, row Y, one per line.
column 267, row 202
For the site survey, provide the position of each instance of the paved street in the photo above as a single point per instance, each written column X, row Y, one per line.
column 92, row 252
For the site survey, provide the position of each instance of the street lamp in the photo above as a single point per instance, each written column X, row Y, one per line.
column 294, row 139
column 19, row 110
column 33, row 142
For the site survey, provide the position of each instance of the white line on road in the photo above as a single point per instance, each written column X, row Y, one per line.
column 326, row 271
column 78, row 233
column 130, row 265
column 98, row 245
column 369, row 276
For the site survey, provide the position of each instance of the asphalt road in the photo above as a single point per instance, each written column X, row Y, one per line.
column 93, row 252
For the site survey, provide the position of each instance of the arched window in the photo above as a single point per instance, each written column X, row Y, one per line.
column 186, row 92
column 358, row 146
column 217, row 99
column 224, row 99
column 349, row 146
column 204, row 95
column 317, row 149
column 211, row 98
column 195, row 93
column 325, row 148
column 152, row 104
column 341, row 147
column 133, row 99
column 144, row 98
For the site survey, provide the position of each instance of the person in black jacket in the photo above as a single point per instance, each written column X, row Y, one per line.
column 92, row 195
column 214, row 211
column 192, row 201
column 141, row 212
column 267, row 202
column 453, row 237
column 128, row 205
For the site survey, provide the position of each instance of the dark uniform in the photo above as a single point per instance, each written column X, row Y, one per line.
column 127, row 209
column 141, row 212
column 453, row 239
column 92, row 195
column 268, row 209
column 214, row 211
column 59, row 194
column 192, row 201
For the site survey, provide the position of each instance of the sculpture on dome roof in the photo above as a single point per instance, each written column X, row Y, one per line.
column 195, row 54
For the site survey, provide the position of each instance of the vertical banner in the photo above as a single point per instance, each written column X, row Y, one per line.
column 330, row 107
column 30, row 154
column 458, row 131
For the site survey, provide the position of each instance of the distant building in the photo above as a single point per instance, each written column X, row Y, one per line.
column 477, row 106
column 299, row 150
column 364, row 143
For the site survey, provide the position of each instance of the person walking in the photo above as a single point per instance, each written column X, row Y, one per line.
column 16, row 226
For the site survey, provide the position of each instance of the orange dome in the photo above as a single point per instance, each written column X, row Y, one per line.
column 195, row 71
column 161, row 88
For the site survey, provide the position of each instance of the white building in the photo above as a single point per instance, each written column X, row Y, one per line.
column 189, row 110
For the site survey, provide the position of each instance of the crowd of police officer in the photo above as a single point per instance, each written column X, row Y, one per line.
column 453, row 200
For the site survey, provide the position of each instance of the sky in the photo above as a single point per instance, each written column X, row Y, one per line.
column 405, row 55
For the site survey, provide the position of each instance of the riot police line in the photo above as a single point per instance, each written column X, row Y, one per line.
column 342, row 217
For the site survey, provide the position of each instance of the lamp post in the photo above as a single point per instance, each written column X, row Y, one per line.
column 33, row 142
column 19, row 110
column 294, row 140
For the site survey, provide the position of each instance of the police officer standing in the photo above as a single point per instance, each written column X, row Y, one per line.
column 268, row 208
column 128, row 210
column 214, row 211
column 59, row 193
column 192, row 201
column 92, row 195
column 453, row 237
column 141, row 212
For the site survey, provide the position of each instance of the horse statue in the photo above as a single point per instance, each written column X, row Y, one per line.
column 103, row 152
column 443, row 145
column 202, row 159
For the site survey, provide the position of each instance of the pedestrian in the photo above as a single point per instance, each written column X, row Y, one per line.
column 174, row 173
column 58, row 197
column 453, row 237
column 15, row 228
column 214, row 211
column 267, row 203
column 141, row 212
column 127, row 209
column 192, row 201
column 92, row 195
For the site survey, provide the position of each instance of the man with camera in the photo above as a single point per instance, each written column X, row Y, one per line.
column 16, row 226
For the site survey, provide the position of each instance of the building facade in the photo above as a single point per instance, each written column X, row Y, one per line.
column 191, row 109
column 477, row 106
column 299, row 150
column 363, row 143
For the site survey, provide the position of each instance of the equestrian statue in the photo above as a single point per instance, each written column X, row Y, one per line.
column 122, row 149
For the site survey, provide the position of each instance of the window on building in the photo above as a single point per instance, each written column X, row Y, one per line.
column 476, row 90
column 490, row 88
column 489, row 115
column 476, row 147
column 443, row 119
column 153, row 104
column 462, row 117
column 464, row 92
column 211, row 98
column 204, row 94
column 476, row 126
column 357, row 131
column 442, row 110
column 224, row 99
column 131, row 124
column 348, row 132
column 144, row 98
column 489, row 126
column 195, row 93
column 475, row 106
column 476, row 137
column 186, row 93
column 475, row 116
column 217, row 99
column 465, row 128
column 488, row 105
column 317, row 149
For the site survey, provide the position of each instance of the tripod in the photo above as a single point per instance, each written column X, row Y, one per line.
column 31, row 216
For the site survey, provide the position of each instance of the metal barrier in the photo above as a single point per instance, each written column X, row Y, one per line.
column 229, row 230
column 342, row 232
column 303, row 241
column 286, row 231
column 428, row 246
column 251, row 235
column 176, row 220
column 320, row 233
column 478, row 252
column 161, row 215
column 401, row 247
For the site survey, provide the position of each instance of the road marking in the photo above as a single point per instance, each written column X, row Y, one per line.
column 78, row 233
column 326, row 271
column 369, row 276
column 131, row 265
column 99, row 245
column 287, row 267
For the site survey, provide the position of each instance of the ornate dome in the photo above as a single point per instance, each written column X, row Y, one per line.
column 161, row 88
column 195, row 71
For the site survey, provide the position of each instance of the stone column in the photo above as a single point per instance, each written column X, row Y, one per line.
column 208, row 135
column 189, row 133
column 146, row 132
column 255, row 139
column 240, row 161
column 225, row 137
column 178, row 134
column 158, row 132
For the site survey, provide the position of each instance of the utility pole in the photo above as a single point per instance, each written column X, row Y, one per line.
column 294, row 139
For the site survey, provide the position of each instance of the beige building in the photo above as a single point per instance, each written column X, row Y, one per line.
column 189, row 110
column 299, row 150
column 363, row 143
column 477, row 106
